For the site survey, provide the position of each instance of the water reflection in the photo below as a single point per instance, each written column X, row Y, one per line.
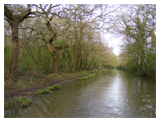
column 112, row 94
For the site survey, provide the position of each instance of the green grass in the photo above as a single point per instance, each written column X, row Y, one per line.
column 98, row 72
column 27, row 80
column 43, row 91
column 56, row 87
column 48, row 89
column 23, row 102
column 6, row 103
column 92, row 75
column 20, row 99
column 103, row 70
column 86, row 77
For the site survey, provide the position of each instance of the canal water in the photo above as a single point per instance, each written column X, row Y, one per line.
column 115, row 94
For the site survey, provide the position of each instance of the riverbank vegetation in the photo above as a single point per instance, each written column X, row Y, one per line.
column 48, row 89
column 137, row 25
column 92, row 75
column 23, row 102
column 20, row 101
column 86, row 77
column 60, row 40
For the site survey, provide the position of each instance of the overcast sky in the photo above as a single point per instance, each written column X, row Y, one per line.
column 113, row 42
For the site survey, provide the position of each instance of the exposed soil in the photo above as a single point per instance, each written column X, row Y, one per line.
column 10, row 94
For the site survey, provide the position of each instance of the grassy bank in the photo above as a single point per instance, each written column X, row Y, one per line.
column 92, row 75
column 28, row 81
column 142, row 73
column 24, row 102
column 86, row 77
column 47, row 89
column 20, row 101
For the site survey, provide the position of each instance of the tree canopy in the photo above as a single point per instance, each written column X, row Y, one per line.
column 45, row 38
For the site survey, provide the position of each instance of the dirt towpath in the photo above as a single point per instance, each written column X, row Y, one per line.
column 10, row 94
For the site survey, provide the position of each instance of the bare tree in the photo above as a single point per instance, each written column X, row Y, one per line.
column 52, row 17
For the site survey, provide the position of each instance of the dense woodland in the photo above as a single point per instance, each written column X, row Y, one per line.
column 43, row 39
column 137, row 24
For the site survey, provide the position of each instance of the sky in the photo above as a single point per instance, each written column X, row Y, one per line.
column 113, row 42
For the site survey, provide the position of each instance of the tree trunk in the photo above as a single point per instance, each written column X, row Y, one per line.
column 69, row 61
column 93, row 65
column 99, row 67
column 153, row 40
column 79, row 59
column 85, row 64
column 75, row 60
column 142, row 60
column 14, row 21
column 74, row 67
column 89, row 66
column 53, row 51
column 55, row 66
column 63, row 56
column 15, row 51
column 137, row 63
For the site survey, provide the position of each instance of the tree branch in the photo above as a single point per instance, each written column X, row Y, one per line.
column 64, row 46
column 8, row 13
column 25, row 13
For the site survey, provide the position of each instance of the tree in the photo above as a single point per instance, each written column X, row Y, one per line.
column 53, row 32
column 15, row 14
column 137, row 25
column 83, row 19
column 46, row 35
